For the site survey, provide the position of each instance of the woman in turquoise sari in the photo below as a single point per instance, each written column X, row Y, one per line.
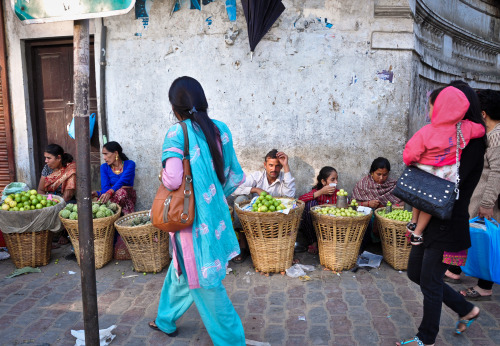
column 201, row 252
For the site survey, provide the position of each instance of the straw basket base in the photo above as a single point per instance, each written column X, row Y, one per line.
column 395, row 247
column 148, row 245
column 339, row 239
column 104, row 232
column 29, row 249
column 271, row 237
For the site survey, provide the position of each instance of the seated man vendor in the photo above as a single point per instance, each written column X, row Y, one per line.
column 275, row 179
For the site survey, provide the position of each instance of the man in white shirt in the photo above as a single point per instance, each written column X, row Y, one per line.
column 275, row 179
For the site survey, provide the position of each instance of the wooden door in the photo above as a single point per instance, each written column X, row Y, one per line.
column 51, row 98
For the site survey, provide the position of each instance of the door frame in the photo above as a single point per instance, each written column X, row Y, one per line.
column 30, row 68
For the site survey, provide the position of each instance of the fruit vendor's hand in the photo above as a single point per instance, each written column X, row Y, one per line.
column 325, row 190
column 485, row 212
column 283, row 159
column 94, row 194
column 256, row 190
column 373, row 203
column 105, row 197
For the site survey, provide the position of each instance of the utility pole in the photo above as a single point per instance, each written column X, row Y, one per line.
column 81, row 61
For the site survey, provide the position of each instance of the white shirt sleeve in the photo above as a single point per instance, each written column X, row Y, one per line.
column 244, row 189
column 288, row 185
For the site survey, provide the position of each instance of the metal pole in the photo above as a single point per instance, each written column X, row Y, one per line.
column 102, row 90
column 86, row 234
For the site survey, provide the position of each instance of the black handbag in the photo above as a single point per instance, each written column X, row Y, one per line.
column 427, row 192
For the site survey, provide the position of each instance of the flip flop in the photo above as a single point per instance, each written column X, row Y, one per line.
column 472, row 294
column 451, row 280
column 415, row 341
column 466, row 322
column 153, row 325
column 243, row 256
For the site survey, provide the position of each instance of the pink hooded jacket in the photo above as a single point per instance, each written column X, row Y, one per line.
column 435, row 144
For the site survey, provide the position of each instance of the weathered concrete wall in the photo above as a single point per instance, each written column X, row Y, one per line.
column 310, row 90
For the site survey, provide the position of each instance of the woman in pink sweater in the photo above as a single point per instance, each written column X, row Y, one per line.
column 433, row 147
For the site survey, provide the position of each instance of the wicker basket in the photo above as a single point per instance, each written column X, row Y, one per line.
column 395, row 247
column 271, row 236
column 104, row 232
column 29, row 249
column 148, row 245
column 339, row 238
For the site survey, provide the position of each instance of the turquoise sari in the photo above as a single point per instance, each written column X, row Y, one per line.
column 214, row 240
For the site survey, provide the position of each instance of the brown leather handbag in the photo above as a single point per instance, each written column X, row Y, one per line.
column 174, row 210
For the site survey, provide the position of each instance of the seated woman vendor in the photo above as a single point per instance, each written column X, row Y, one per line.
column 117, row 178
column 375, row 189
column 324, row 192
column 58, row 174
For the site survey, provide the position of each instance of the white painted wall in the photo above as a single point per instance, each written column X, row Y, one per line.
column 311, row 91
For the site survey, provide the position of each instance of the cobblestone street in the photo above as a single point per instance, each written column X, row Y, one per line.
column 374, row 307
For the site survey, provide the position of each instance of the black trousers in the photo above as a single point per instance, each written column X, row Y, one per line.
column 484, row 284
column 426, row 268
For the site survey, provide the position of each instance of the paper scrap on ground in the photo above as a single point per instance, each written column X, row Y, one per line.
column 368, row 259
column 4, row 255
column 256, row 343
column 24, row 270
column 129, row 276
column 105, row 336
column 298, row 270
column 71, row 272
column 228, row 270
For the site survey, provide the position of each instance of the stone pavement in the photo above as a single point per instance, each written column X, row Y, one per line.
column 374, row 307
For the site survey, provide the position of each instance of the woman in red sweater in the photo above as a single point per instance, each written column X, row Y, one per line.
column 324, row 192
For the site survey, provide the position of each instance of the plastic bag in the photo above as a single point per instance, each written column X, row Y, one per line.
column 71, row 128
column 298, row 270
column 483, row 257
column 14, row 188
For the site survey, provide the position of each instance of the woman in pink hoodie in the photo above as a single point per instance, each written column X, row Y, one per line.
column 433, row 147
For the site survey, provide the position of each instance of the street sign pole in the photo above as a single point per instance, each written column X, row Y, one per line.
column 81, row 60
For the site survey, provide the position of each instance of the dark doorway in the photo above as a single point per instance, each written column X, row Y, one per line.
column 50, row 75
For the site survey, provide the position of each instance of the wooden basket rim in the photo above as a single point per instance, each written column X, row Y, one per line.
column 103, row 220
column 300, row 205
column 148, row 227
column 359, row 217
column 387, row 220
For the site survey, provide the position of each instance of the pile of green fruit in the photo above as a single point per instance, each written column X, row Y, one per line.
column 27, row 200
column 139, row 221
column 354, row 204
column 99, row 210
column 344, row 212
column 397, row 214
column 341, row 192
column 266, row 203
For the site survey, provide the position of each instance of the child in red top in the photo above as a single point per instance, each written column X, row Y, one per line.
column 433, row 147
column 324, row 192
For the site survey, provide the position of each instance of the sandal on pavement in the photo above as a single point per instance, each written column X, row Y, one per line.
column 467, row 324
column 241, row 257
column 451, row 280
column 472, row 294
column 414, row 341
column 153, row 325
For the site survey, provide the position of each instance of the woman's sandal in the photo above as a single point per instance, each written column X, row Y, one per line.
column 416, row 239
column 241, row 257
column 415, row 341
column 472, row 294
column 467, row 324
column 153, row 325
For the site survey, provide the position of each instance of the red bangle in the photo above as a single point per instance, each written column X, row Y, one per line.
column 109, row 192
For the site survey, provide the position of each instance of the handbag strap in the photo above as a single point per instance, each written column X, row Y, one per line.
column 460, row 138
column 186, row 139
